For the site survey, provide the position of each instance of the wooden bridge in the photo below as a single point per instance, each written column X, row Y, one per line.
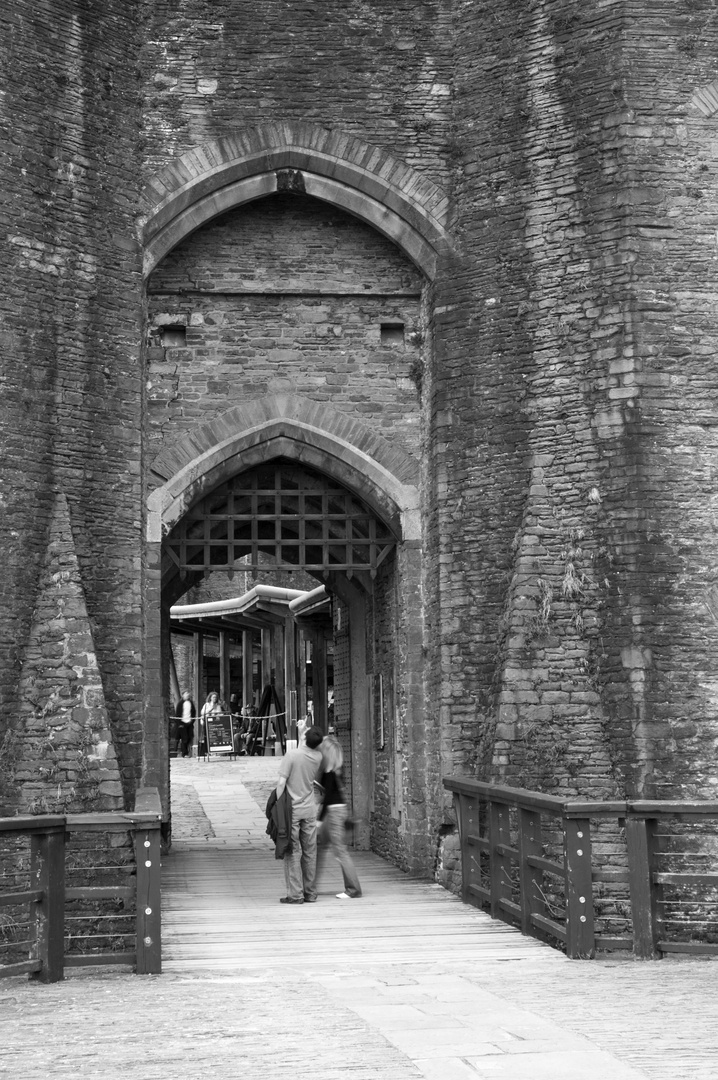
column 222, row 884
column 406, row 982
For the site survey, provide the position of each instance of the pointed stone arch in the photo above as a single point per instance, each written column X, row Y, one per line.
column 382, row 474
column 365, row 180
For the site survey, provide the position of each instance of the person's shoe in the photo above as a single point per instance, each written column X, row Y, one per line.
column 309, row 899
column 290, row 900
column 344, row 896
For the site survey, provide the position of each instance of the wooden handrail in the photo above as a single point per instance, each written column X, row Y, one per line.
column 30, row 824
column 48, row 891
column 511, row 845
column 534, row 800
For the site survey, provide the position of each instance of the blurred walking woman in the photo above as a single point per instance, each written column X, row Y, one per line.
column 333, row 817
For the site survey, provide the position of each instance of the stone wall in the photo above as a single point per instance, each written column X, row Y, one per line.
column 284, row 296
column 64, row 758
column 382, row 73
column 573, row 404
column 388, row 822
column 70, row 310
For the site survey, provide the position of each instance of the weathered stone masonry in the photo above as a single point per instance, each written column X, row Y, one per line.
column 70, row 320
column 569, row 537
column 555, row 394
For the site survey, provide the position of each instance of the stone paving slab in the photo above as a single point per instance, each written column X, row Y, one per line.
column 108, row 1026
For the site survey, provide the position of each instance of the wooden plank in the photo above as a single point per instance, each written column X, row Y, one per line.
column 47, row 854
column 27, row 896
column 100, row 892
column 112, row 821
column 499, row 864
column 550, row 926
column 481, row 842
column 695, row 948
column 467, row 818
column 685, row 879
column 148, row 921
column 29, row 824
column 530, row 876
column 644, row 911
column 508, row 796
column 23, row 967
column 480, row 892
column 610, row 876
column 549, row 866
column 590, row 809
column 653, row 808
column 99, row 959
column 511, row 908
column 580, row 942
column 610, row 944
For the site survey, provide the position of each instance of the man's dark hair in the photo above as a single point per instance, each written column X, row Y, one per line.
column 313, row 737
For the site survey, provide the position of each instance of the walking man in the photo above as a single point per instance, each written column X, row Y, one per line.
column 186, row 713
column 297, row 772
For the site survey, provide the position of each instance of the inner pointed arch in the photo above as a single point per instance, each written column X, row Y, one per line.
column 382, row 475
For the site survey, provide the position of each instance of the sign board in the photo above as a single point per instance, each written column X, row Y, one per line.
column 220, row 733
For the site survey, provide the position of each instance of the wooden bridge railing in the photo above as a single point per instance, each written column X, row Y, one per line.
column 565, row 871
column 59, row 930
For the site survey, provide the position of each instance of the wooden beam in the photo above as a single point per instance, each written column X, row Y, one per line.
column 148, row 922
column 290, row 677
column 580, row 939
column 247, row 669
column 198, row 696
column 319, row 680
column 224, row 644
column 266, row 661
column 48, row 925
column 641, row 843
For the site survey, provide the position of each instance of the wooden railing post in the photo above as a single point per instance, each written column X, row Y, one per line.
column 148, row 924
column 529, row 877
column 148, row 862
column 460, row 811
column 580, row 936
column 47, row 861
column 640, row 841
column 499, row 864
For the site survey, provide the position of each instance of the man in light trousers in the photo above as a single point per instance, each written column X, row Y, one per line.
column 297, row 772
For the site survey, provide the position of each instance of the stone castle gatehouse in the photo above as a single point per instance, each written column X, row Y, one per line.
column 446, row 269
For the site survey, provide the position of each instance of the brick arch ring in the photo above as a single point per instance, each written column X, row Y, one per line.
column 384, row 476
column 364, row 180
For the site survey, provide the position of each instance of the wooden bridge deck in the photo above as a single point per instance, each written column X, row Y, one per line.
column 221, row 911
column 222, row 883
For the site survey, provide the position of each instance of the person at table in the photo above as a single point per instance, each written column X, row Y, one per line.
column 186, row 712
